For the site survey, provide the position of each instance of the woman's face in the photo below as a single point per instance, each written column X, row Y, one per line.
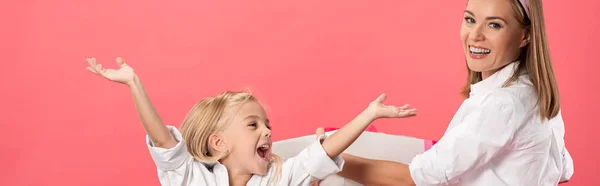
column 491, row 35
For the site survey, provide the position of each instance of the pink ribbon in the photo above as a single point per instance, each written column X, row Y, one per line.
column 525, row 5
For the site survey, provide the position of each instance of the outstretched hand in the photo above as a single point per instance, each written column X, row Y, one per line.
column 376, row 110
column 379, row 110
column 123, row 75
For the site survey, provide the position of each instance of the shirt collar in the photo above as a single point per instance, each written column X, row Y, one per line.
column 496, row 80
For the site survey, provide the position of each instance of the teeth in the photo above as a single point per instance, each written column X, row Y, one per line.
column 264, row 147
column 479, row 50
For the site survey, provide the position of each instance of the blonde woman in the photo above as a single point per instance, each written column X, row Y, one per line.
column 226, row 140
column 509, row 131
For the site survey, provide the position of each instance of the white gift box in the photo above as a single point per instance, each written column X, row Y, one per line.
column 372, row 145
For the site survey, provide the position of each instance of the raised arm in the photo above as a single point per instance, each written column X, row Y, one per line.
column 345, row 136
column 322, row 158
column 372, row 172
column 150, row 119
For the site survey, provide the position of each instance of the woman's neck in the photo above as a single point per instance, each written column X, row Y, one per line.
column 486, row 74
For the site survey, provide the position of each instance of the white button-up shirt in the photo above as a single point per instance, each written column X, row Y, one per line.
column 497, row 138
column 176, row 167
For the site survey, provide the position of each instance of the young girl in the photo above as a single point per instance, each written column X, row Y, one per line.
column 226, row 139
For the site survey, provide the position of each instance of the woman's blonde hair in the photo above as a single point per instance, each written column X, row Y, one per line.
column 534, row 59
column 204, row 119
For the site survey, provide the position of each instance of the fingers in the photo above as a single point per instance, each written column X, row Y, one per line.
column 408, row 112
column 99, row 69
column 91, row 70
column 320, row 132
column 400, row 112
column 89, row 61
column 93, row 61
column 95, row 67
column 315, row 183
column 381, row 98
column 121, row 62
column 90, row 67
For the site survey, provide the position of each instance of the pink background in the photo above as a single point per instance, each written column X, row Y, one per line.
column 313, row 63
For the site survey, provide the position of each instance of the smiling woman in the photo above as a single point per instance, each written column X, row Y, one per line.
column 492, row 38
column 509, row 130
column 516, row 34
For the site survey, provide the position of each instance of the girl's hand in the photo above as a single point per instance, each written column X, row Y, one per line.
column 378, row 110
column 123, row 75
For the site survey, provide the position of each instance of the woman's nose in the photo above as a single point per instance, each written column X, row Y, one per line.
column 477, row 33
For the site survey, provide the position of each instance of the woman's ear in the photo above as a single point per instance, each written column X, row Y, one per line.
column 525, row 39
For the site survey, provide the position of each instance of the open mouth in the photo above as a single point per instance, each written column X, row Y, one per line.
column 479, row 51
column 264, row 151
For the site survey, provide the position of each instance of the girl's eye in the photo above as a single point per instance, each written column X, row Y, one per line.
column 252, row 125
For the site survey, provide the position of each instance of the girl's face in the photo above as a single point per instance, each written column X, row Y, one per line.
column 248, row 139
column 491, row 35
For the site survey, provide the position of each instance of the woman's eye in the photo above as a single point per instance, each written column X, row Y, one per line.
column 252, row 125
column 469, row 20
column 495, row 25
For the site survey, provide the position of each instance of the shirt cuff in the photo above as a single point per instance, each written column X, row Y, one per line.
column 318, row 163
column 568, row 169
column 169, row 159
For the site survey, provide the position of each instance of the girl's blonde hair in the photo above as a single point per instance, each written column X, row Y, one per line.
column 534, row 59
column 204, row 119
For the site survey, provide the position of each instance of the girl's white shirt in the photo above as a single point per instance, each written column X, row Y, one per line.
column 176, row 167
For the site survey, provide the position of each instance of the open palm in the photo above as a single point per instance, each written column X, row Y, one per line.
column 387, row 111
column 124, row 74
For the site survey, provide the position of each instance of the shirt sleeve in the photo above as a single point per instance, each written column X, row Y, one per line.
column 174, row 164
column 169, row 159
column 482, row 134
column 568, row 168
column 567, row 162
column 310, row 164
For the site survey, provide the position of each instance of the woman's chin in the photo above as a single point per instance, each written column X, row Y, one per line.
column 474, row 66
